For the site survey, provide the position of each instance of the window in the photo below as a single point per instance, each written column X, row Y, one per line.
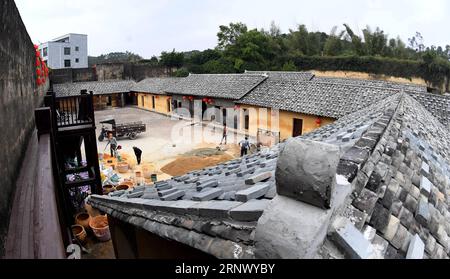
column 77, row 60
column 168, row 105
column 77, row 48
column 142, row 101
column 45, row 52
column 153, row 102
column 67, row 51
column 67, row 63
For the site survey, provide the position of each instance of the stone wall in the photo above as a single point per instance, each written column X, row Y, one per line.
column 109, row 71
column 19, row 96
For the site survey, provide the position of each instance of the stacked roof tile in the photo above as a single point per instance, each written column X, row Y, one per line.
column 316, row 98
column 97, row 87
column 155, row 85
column 224, row 86
column 394, row 152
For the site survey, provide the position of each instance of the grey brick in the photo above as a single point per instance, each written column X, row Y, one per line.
column 352, row 242
column 254, row 192
column 400, row 237
column 210, row 184
column 174, row 196
column 425, row 186
column 137, row 194
column 258, row 178
column 230, row 172
column 249, row 211
column 166, row 192
column 423, row 212
column 213, row 209
column 366, row 201
column 416, row 248
column 245, row 172
column 207, row 195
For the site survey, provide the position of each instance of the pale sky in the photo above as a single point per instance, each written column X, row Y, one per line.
column 147, row 27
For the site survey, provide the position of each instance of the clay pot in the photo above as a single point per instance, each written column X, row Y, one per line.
column 138, row 174
column 100, row 227
column 128, row 183
column 83, row 220
column 107, row 189
column 122, row 187
column 122, row 167
column 79, row 232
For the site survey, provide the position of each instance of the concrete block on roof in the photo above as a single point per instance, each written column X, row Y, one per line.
column 254, row 192
column 136, row 194
column 163, row 187
column 205, row 181
column 380, row 246
column 352, row 242
column 290, row 229
column 247, row 171
column 416, row 248
column 366, row 201
column 391, row 228
column 423, row 215
column 150, row 196
column 207, row 195
column 258, row 178
column 210, row 184
column 249, row 211
column 230, row 172
column 425, row 186
column 166, row 192
column 425, row 169
column 174, row 196
column 213, row 209
column 306, row 171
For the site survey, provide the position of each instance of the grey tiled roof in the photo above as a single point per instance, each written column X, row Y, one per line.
column 220, row 204
column 373, row 83
column 438, row 105
column 402, row 186
column 315, row 98
column 155, row 85
column 300, row 76
column 226, row 86
column 98, row 87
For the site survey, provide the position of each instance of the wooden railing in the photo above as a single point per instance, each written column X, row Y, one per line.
column 70, row 111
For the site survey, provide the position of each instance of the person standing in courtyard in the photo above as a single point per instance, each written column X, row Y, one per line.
column 112, row 142
column 138, row 154
column 245, row 146
column 224, row 135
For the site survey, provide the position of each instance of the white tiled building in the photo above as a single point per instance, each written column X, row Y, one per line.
column 68, row 51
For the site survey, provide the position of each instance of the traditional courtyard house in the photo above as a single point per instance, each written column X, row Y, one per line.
column 110, row 93
column 199, row 92
column 150, row 94
column 372, row 185
column 304, row 103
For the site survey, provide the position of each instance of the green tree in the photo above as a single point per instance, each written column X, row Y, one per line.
column 229, row 34
column 172, row 59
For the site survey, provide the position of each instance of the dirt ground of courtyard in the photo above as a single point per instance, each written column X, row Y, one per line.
column 170, row 146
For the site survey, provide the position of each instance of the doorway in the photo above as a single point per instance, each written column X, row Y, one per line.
column 298, row 127
column 224, row 116
column 142, row 101
column 153, row 102
column 246, row 119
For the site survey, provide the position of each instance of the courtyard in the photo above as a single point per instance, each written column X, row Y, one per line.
column 170, row 146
